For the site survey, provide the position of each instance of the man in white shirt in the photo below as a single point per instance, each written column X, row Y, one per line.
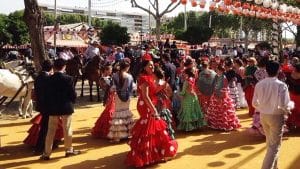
column 271, row 98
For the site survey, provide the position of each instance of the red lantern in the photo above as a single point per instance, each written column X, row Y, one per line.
column 184, row 2
column 227, row 2
column 237, row 4
column 253, row 8
column 194, row 3
column 217, row 1
column 246, row 6
column 212, row 6
column 174, row 1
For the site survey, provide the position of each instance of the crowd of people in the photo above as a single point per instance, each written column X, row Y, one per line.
column 175, row 92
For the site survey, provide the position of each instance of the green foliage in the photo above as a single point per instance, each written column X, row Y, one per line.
column 17, row 28
column 222, row 25
column 195, row 34
column 64, row 19
column 114, row 34
column 5, row 36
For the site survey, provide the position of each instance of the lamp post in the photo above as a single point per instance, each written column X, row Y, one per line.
column 55, row 26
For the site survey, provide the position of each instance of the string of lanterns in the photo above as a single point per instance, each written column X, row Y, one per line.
column 263, row 9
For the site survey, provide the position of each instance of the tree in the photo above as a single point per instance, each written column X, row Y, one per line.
column 5, row 36
column 17, row 28
column 155, row 11
column 34, row 20
column 195, row 34
column 114, row 34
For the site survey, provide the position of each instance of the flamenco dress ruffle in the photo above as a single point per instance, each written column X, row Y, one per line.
column 33, row 132
column 102, row 125
column 150, row 142
column 221, row 113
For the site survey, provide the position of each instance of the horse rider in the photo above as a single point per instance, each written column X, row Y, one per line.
column 91, row 51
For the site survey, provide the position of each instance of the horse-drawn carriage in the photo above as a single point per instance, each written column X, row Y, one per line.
column 16, row 82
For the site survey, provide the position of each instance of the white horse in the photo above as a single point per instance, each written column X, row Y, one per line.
column 19, row 84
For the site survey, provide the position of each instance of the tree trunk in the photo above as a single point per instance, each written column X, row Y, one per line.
column 158, row 28
column 34, row 20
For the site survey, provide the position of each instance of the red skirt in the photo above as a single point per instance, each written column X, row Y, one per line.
column 150, row 142
column 33, row 132
column 294, row 118
column 102, row 125
column 221, row 114
column 249, row 92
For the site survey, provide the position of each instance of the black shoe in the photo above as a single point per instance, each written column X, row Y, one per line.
column 72, row 153
column 44, row 157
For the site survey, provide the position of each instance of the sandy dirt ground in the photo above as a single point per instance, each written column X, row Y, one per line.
column 211, row 149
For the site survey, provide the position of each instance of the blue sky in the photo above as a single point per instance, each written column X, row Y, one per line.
column 7, row 7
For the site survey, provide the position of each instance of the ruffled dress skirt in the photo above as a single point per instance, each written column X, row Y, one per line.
column 33, row 132
column 190, row 115
column 166, row 115
column 150, row 142
column 241, row 93
column 102, row 125
column 234, row 95
column 221, row 114
column 121, row 121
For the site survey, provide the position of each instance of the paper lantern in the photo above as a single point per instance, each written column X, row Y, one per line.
column 245, row 12
column 289, row 8
column 258, row 2
column 194, row 3
column 237, row 4
column 202, row 3
column 212, row 6
column 282, row 8
column 174, row 1
column 252, row 13
column 246, row 6
column 227, row 2
column 267, row 3
column 294, row 10
column 183, row 2
column 253, row 8
column 275, row 5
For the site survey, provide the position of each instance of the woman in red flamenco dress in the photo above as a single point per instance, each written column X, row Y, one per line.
column 102, row 125
column 33, row 134
column 293, row 81
column 150, row 142
column 221, row 112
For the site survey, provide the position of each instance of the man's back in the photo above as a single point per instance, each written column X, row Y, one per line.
column 41, row 88
column 63, row 94
column 270, row 96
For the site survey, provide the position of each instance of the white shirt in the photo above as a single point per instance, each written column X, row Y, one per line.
column 271, row 96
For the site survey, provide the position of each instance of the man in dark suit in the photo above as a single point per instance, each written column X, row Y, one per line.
column 61, row 100
column 41, row 86
column 170, row 70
